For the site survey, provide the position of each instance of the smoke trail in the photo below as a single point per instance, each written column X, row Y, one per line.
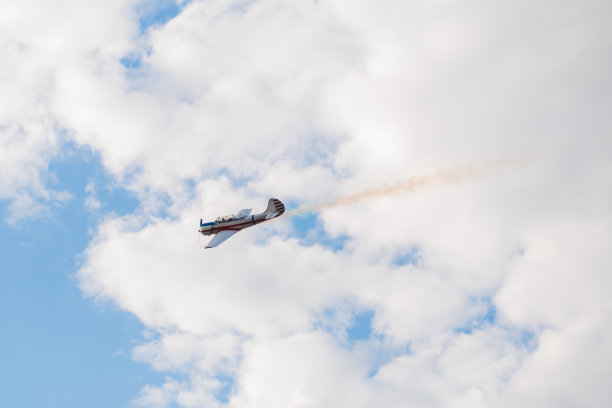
column 455, row 175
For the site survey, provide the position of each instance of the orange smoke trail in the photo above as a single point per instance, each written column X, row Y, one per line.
column 456, row 175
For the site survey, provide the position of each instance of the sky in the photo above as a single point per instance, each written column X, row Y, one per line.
column 446, row 168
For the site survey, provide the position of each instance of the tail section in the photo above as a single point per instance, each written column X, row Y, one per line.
column 275, row 208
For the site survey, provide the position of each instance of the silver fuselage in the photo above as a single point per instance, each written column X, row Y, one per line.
column 210, row 228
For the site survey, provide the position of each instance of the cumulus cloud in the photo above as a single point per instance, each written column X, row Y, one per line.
column 40, row 41
column 484, row 292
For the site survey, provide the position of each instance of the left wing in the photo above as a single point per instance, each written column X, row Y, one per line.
column 243, row 213
column 220, row 238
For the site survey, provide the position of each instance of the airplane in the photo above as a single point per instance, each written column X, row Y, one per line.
column 224, row 227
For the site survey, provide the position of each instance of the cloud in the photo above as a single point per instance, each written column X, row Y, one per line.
column 92, row 203
column 40, row 42
column 231, row 103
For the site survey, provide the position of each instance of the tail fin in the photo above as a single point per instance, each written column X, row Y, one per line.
column 275, row 208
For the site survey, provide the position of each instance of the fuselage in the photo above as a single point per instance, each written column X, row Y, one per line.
column 214, row 227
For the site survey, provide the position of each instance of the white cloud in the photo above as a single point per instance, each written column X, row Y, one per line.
column 40, row 41
column 187, row 117
column 92, row 203
column 311, row 100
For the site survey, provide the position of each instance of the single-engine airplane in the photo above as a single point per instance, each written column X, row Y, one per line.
column 224, row 227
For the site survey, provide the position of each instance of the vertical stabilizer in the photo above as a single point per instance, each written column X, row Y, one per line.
column 275, row 208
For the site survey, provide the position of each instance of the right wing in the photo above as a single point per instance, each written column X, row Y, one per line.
column 220, row 238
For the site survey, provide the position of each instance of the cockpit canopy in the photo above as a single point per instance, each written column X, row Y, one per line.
column 225, row 218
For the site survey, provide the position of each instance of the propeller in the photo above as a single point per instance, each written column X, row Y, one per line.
column 200, row 240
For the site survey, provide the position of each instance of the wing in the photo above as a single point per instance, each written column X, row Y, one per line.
column 243, row 213
column 220, row 238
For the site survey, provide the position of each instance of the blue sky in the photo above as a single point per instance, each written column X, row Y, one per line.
column 69, row 350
